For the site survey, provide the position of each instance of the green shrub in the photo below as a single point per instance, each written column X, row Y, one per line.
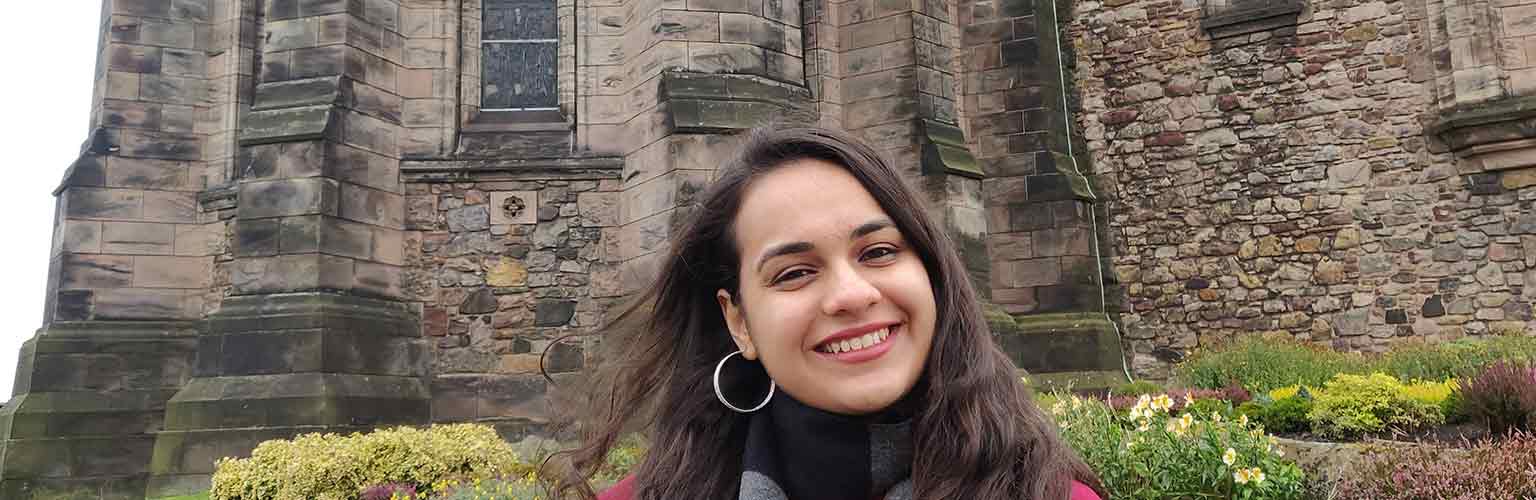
column 1460, row 358
column 1260, row 364
column 1280, row 415
column 526, row 487
column 1351, row 406
column 1207, row 407
column 1437, row 394
column 621, row 459
column 1455, row 409
column 1160, row 456
column 1137, row 388
column 336, row 467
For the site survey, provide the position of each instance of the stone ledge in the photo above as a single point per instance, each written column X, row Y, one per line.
column 288, row 125
column 86, row 170
column 714, row 103
column 1330, row 459
column 219, row 197
column 1485, row 128
column 944, row 151
column 575, row 168
column 104, row 329
column 1059, row 342
column 296, row 93
column 1251, row 17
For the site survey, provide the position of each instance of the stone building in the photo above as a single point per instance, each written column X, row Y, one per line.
column 303, row 215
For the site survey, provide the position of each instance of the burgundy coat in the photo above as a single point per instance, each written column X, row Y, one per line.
column 625, row 490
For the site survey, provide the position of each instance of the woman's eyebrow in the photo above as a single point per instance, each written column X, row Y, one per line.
column 870, row 227
column 783, row 249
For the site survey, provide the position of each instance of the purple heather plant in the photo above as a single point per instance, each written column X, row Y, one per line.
column 1503, row 395
column 389, row 491
column 1496, row 469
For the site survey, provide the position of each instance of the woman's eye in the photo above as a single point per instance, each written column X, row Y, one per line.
column 790, row 275
column 879, row 253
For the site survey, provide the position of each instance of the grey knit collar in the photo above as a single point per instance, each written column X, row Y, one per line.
column 796, row 452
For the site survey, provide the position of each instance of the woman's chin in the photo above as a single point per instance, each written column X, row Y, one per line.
column 870, row 400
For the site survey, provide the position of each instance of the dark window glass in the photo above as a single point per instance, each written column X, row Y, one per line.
column 519, row 43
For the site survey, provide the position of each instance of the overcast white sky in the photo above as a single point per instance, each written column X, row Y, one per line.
column 48, row 51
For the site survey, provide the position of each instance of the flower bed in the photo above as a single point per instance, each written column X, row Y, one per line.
column 1163, row 448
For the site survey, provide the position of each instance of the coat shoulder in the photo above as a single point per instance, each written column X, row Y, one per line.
column 625, row 490
column 1081, row 491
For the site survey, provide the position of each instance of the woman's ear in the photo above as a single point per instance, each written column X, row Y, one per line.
column 736, row 322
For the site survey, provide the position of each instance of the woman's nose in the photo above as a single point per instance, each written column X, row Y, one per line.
column 850, row 291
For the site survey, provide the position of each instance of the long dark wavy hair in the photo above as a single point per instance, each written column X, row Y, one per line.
column 977, row 432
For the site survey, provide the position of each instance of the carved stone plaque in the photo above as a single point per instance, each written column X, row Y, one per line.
column 514, row 207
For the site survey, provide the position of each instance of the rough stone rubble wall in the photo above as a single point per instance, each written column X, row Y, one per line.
column 497, row 285
column 1280, row 182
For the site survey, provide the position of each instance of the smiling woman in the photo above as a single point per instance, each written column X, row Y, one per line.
column 813, row 335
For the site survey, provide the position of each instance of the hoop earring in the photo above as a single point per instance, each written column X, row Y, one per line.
column 721, row 394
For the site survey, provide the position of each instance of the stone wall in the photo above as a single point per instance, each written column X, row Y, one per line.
column 501, row 269
column 1039, row 232
column 1280, row 180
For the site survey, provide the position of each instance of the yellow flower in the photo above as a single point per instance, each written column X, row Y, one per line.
column 1163, row 402
column 1243, row 420
column 1186, row 421
column 1189, row 399
column 1145, row 424
column 1241, row 476
column 1256, row 474
column 1144, row 401
column 1230, row 457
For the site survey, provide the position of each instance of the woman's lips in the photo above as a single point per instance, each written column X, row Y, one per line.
column 860, row 349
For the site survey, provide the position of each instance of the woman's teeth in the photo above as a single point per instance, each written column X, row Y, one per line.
column 861, row 342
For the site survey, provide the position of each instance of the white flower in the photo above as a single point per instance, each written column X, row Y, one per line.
column 1230, row 457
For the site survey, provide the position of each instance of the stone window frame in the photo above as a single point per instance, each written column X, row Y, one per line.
column 473, row 118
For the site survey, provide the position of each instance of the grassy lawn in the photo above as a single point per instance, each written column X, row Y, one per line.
column 199, row 496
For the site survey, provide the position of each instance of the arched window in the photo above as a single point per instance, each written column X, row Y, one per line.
column 518, row 43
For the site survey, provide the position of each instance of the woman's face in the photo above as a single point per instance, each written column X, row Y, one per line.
column 833, row 301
